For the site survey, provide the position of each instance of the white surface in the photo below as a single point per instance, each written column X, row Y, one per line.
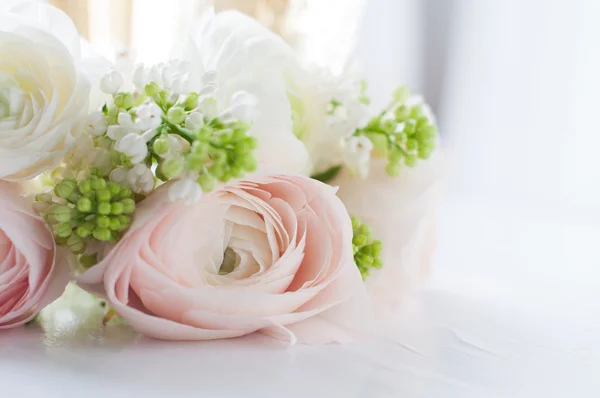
column 507, row 314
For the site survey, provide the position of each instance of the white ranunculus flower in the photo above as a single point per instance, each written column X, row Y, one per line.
column 43, row 92
column 247, row 83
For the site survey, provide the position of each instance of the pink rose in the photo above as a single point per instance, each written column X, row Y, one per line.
column 271, row 254
column 402, row 213
column 28, row 278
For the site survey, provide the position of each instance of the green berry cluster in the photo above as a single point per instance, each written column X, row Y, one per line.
column 366, row 250
column 402, row 133
column 86, row 210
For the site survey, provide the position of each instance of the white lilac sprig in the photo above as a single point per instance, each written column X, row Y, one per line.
column 159, row 132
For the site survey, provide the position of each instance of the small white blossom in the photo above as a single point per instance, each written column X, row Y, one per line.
column 111, row 82
column 149, row 116
column 119, row 175
column 186, row 190
column 177, row 145
column 208, row 107
column 134, row 146
column 242, row 107
column 140, row 77
column 96, row 124
column 357, row 155
column 140, row 179
column 194, row 121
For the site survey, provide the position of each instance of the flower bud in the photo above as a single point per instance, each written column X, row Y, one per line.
column 176, row 115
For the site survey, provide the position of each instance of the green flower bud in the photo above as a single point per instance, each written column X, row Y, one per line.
column 365, row 260
column 191, row 101
column 43, row 198
column 207, row 182
column 124, row 100
column 161, row 146
column 117, row 208
column 103, row 195
column 113, row 188
column 104, row 208
column 395, row 156
column 389, row 126
column 377, row 263
column 125, row 192
column 218, row 155
column 114, row 224
column 401, row 94
column 359, row 240
column 152, row 89
column 236, row 171
column 424, row 152
column 247, row 161
column 200, row 149
column 124, row 221
column 393, row 169
column 377, row 246
column 65, row 189
column 205, row 133
column 62, row 213
column 411, row 160
column 85, row 186
column 355, row 222
column 88, row 260
column 128, row 206
column 98, row 183
column 102, row 221
column 172, row 167
column 85, row 230
column 102, row 234
column 417, row 112
column 176, row 115
column 76, row 244
column 195, row 163
column 402, row 113
column 63, row 230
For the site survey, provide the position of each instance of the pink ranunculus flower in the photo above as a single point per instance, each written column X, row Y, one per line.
column 270, row 254
column 29, row 278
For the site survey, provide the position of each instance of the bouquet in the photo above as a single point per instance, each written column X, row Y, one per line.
column 229, row 190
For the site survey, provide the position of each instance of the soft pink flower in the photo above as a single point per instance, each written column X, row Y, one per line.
column 28, row 278
column 402, row 213
column 271, row 254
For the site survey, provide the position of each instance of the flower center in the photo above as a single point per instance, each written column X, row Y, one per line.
column 230, row 261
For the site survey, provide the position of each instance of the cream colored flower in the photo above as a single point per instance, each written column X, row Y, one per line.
column 43, row 93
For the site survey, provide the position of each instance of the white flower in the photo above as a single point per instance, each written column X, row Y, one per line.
column 134, row 146
column 149, row 116
column 357, row 155
column 111, row 82
column 174, row 75
column 140, row 77
column 245, row 55
column 140, row 179
column 43, row 94
column 187, row 190
column 96, row 124
column 194, row 121
column 242, row 107
column 177, row 145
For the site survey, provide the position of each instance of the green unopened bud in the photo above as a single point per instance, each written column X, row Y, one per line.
column 395, row 156
column 102, row 234
column 389, row 126
column 64, row 230
column 98, row 183
column 43, row 198
column 412, row 145
column 377, row 263
column 200, row 149
column 402, row 113
column 62, row 213
column 152, row 89
column 113, row 188
column 191, row 101
column 85, row 229
column 393, row 169
column 417, row 112
column 207, row 182
column 176, row 115
column 124, row 221
column 103, row 195
column 85, row 186
column 401, row 94
column 128, row 206
column 236, row 171
column 376, row 246
column 218, row 156
column 114, row 225
column 195, row 163
column 102, row 221
column 76, row 244
column 247, row 161
column 125, row 192
column 88, row 260
column 161, row 146
column 365, row 260
column 205, row 133
column 411, row 160
column 172, row 167
column 424, row 152
column 117, row 208
column 359, row 240
column 124, row 100
column 104, row 208
column 355, row 222
column 65, row 189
